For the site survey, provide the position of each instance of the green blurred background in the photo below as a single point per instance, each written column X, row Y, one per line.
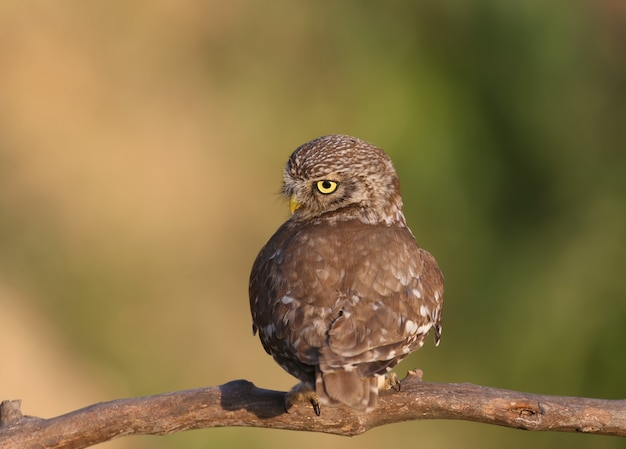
column 141, row 149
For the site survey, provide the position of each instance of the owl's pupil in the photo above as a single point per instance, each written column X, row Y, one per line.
column 326, row 184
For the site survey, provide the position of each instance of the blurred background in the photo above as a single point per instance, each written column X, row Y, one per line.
column 141, row 149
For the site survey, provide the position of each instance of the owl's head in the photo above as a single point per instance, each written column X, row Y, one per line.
column 340, row 177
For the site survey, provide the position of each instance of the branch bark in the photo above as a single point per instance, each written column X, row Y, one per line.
column 240, row 403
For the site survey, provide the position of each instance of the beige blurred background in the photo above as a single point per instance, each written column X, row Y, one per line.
column 141, row 149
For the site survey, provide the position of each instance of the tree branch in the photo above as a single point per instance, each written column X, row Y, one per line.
column 240, row 403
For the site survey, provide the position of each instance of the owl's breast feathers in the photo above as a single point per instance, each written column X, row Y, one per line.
column 346, row 296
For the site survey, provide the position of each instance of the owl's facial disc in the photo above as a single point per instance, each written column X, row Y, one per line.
column 304, row 196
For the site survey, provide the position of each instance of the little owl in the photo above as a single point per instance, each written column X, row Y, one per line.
column 341, row 292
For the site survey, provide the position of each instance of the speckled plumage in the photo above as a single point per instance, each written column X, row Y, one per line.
column 341, row 292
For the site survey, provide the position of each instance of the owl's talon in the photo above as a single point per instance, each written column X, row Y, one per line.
column 316, row 405
column 301, row 393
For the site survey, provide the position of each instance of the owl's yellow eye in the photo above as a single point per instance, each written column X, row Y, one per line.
column 326, row 186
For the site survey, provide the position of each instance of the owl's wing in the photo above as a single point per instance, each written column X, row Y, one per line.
column 394, row 298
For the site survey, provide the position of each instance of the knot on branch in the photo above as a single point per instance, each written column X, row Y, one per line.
column 527, row 414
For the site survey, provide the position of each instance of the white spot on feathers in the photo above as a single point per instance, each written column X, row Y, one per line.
column 268, row 330
column 410, row 327
column 424, row 328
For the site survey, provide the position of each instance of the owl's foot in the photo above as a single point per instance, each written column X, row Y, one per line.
column 389, row 381
column 299, row 393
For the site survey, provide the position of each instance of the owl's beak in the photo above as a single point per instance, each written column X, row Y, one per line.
column 293, row 204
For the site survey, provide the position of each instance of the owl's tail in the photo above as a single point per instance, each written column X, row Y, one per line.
column 349, row 388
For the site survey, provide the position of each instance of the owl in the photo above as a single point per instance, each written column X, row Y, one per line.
column 342, row 292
